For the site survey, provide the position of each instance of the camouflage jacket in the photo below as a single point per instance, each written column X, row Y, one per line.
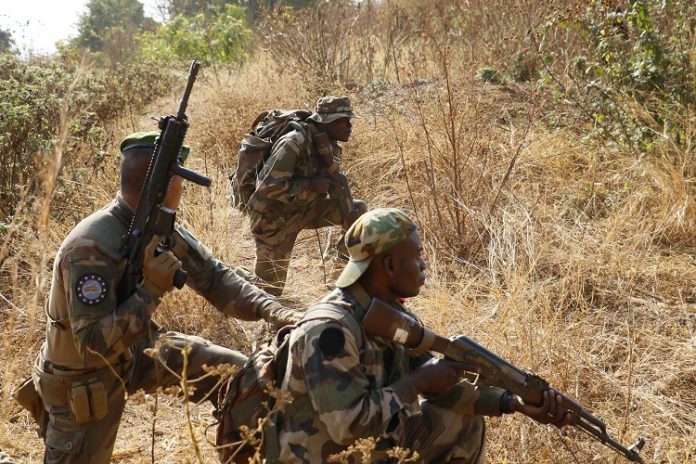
column 83, row 312
column 282, row 185
column 342, row 392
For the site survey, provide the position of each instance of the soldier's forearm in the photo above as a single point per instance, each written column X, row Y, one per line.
column 287, row 190
column 119, row 329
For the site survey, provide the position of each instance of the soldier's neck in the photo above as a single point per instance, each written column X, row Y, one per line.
column 130, row 198
column 378, row 289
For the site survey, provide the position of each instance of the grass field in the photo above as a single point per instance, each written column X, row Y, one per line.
column 566, row 256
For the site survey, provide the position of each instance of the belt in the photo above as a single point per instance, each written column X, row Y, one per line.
column 52, row 368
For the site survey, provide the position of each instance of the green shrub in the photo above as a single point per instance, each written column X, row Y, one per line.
column 488, row 74
column 632, row 73
column 31, row 94
column 210, row 38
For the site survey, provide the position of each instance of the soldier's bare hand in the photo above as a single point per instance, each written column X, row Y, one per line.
column 551, row 410
column 158, row 271
column 438, row 375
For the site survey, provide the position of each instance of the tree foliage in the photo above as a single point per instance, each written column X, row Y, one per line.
column 634, row 77
column 6, row 41
column 220, row 38
column 253, row 7
column 30, row 97
column 111, row 27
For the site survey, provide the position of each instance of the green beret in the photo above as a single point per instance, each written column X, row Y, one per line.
column 147, row 140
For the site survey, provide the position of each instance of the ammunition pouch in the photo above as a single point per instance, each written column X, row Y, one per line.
column 85, row 395
column 88, row 400
column 26, row 395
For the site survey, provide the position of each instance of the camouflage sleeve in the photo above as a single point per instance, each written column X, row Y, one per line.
column 98, row 323
column 213, row 280
column 464, row 397
column 277, row 181
column 468, row 399
column 340, row 388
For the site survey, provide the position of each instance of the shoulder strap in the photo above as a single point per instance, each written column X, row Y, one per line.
column 329, row 311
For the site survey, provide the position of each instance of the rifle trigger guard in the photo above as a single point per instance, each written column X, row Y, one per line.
column 425, row 343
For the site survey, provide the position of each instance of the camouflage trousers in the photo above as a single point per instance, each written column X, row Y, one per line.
column 5, row 459
column 69, row 440
column 441, row 435
column 275, row 236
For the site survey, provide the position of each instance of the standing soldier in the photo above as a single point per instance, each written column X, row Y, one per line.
column 293, row 185
column 95, row 341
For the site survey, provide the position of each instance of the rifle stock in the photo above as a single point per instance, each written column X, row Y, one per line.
column 386, row 321
column 151, row 217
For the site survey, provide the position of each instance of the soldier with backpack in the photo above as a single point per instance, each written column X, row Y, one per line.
column 348, row 384
column 287, row 180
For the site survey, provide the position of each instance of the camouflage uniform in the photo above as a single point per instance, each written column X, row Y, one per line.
column 5, row 459
column 348, row 385
column 95, row 344
column 283, row 204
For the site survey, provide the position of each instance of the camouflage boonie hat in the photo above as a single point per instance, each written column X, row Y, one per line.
column 332, row 108
column 373, row 233
column 147, row 140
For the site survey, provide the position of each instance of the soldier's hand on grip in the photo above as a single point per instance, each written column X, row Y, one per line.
column 437, row 375
column 321, row 184
column 551, row 411
column 158, row 271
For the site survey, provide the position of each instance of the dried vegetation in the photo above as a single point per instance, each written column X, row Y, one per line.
column 566, row 254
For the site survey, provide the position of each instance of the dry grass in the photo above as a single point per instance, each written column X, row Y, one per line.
column 572, row 261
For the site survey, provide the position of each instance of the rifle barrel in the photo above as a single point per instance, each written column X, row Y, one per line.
column 193, row 72
column 631, row 453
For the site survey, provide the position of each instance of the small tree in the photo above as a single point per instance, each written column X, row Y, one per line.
column 218, row 39
column 6, row 41
column 112, row 27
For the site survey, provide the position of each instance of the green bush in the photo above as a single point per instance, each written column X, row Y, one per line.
column 210, row 38
column 633, row 73
column 31, row 94
column 488, row 74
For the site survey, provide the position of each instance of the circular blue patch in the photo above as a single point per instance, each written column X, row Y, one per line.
column 91, row 289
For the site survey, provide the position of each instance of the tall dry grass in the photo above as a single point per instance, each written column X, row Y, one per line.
column 569, row 259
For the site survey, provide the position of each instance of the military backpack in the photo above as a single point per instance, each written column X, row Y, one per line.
column 255, row 148
column 247, row 413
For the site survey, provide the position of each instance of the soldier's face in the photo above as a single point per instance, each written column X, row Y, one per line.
column 406, row 268
column 174, row 192
column 339, row 129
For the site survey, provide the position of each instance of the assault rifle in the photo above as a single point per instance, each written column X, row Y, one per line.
column 151, row 217
column 340, row 190
column 388, row 322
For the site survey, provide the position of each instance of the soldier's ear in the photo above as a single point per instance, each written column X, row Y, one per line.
column 389, row 264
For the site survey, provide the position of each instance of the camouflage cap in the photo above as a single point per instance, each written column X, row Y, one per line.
column 373, row 233
column 332, row 108
column 147, row 140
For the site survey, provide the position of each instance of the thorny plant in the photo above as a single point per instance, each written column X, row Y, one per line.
column 363, row 449
column 187, row 386
column 255, row 437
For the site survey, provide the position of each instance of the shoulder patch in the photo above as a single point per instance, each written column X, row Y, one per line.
column 91, row 289
column 331, row 342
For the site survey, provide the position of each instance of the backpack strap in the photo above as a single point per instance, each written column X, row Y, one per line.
column 316, row 312
column 323, row 310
